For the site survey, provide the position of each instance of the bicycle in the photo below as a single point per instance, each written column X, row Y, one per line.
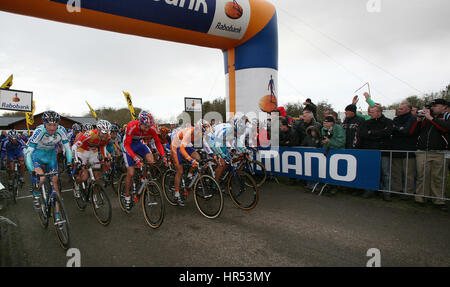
column 112, row 176
column 240, row 186
column 207, row 193
column 146, row 187
column 91, row 191
column 48, row 201
column 16, row 182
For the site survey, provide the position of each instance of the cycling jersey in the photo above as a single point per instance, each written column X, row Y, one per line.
column 133, row 142
column 13, row 150
column 223, row 139
column 42, row 148
column 90, row 141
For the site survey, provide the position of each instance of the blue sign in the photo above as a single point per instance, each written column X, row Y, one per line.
column 352, row 168
column 195, row 15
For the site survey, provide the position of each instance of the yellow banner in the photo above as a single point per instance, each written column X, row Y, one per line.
column 94, row 114
column 8, row 83
column 30, row 117
column 130, row 106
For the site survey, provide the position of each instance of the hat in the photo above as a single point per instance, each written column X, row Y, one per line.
column 329, row 119
column 439, row 102
column 351, row 108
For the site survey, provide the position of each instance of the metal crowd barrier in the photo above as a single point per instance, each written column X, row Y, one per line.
column 407, row 156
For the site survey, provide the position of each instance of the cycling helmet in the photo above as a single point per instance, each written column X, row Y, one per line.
column 51, row 117
column 104, row 126
column 76, row 127
column 12, row 134
column 115, row 128
column 164, row 130
column 87, row 127
column 203, row 125
column 146, row 118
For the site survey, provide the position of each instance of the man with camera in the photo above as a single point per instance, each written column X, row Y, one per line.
column 432, row 131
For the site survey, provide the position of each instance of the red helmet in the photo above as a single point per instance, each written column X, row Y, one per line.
column 146, row 118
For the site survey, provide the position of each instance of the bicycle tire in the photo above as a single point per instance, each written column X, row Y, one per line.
column 80, row 201
column 62, row 230
column 260, row 179
column 15, row 189
column 99, row 198
column 201, row 196
column 153, row 205
column 43, row 212
column 121, row 193
column 240, row 195
column 168, row 185
column 156, row 173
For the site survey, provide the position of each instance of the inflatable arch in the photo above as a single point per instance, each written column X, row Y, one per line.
column 245, row 30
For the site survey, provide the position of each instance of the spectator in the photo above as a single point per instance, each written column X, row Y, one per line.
column 432, row 130
column 310, row 106
column 333, row 135
column 403, row 166
column 369, row 101
column 376, row 135
column 352, row 126
column 312, row 138
column 288, row 137
column 309, row 120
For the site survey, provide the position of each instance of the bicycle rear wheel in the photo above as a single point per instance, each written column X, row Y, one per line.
column 168, row 184
column 153, row 205
column 15, row 189
column 62, row 229
column 101, row 205
column 242, row 190
column 208, row 196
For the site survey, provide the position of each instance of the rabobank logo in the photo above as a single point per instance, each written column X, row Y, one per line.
column 233, row 10
column 231, row 18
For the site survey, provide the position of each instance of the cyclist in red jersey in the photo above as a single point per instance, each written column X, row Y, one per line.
column 135, row 150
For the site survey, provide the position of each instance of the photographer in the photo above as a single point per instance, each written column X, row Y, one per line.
column 432, row 131
column 333, row 136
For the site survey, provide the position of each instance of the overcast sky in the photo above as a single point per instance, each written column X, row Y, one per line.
column 327, row 50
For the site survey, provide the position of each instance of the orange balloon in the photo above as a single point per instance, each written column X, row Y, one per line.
column 268, row 103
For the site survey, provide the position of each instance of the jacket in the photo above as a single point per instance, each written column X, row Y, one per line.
column 432, row 135
column 337, row 139
column 352, row 127
column 376, row 133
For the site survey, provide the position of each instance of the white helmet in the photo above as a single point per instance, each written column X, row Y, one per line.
column 104, row 126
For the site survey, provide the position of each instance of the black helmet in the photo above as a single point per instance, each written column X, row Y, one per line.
column 51, row 117
column 12, row 134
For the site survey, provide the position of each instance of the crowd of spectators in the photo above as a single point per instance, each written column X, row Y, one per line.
column 412, row 144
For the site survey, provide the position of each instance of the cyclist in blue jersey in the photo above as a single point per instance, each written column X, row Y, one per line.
column 12, row 148
column 41, row 150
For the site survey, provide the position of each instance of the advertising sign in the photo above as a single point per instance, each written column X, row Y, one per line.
column 16, row 100
column 226, row 18
column 352, row 168
column 193, row 105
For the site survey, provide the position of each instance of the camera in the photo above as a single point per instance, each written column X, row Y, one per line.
column 328, row 134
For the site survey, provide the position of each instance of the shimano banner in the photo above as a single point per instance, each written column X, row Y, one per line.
column 352, row 168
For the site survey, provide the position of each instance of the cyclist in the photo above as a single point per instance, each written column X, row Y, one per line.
column 42, row 151
column 76, row 129
column 90, row 148
column 12, row 147
column 135, row 150
column 182, row 147
column 115, row 144
column 223, row 139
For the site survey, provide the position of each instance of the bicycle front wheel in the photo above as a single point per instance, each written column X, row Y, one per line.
column 121, row 193
column 61, row 226
column 168, row 184
column 153, row 205
column 101, row 205
column 258, row 171
column 242, row 190
column 208, row 196
column 42, row 211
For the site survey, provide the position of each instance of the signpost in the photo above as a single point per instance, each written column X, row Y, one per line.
column 193, row 105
